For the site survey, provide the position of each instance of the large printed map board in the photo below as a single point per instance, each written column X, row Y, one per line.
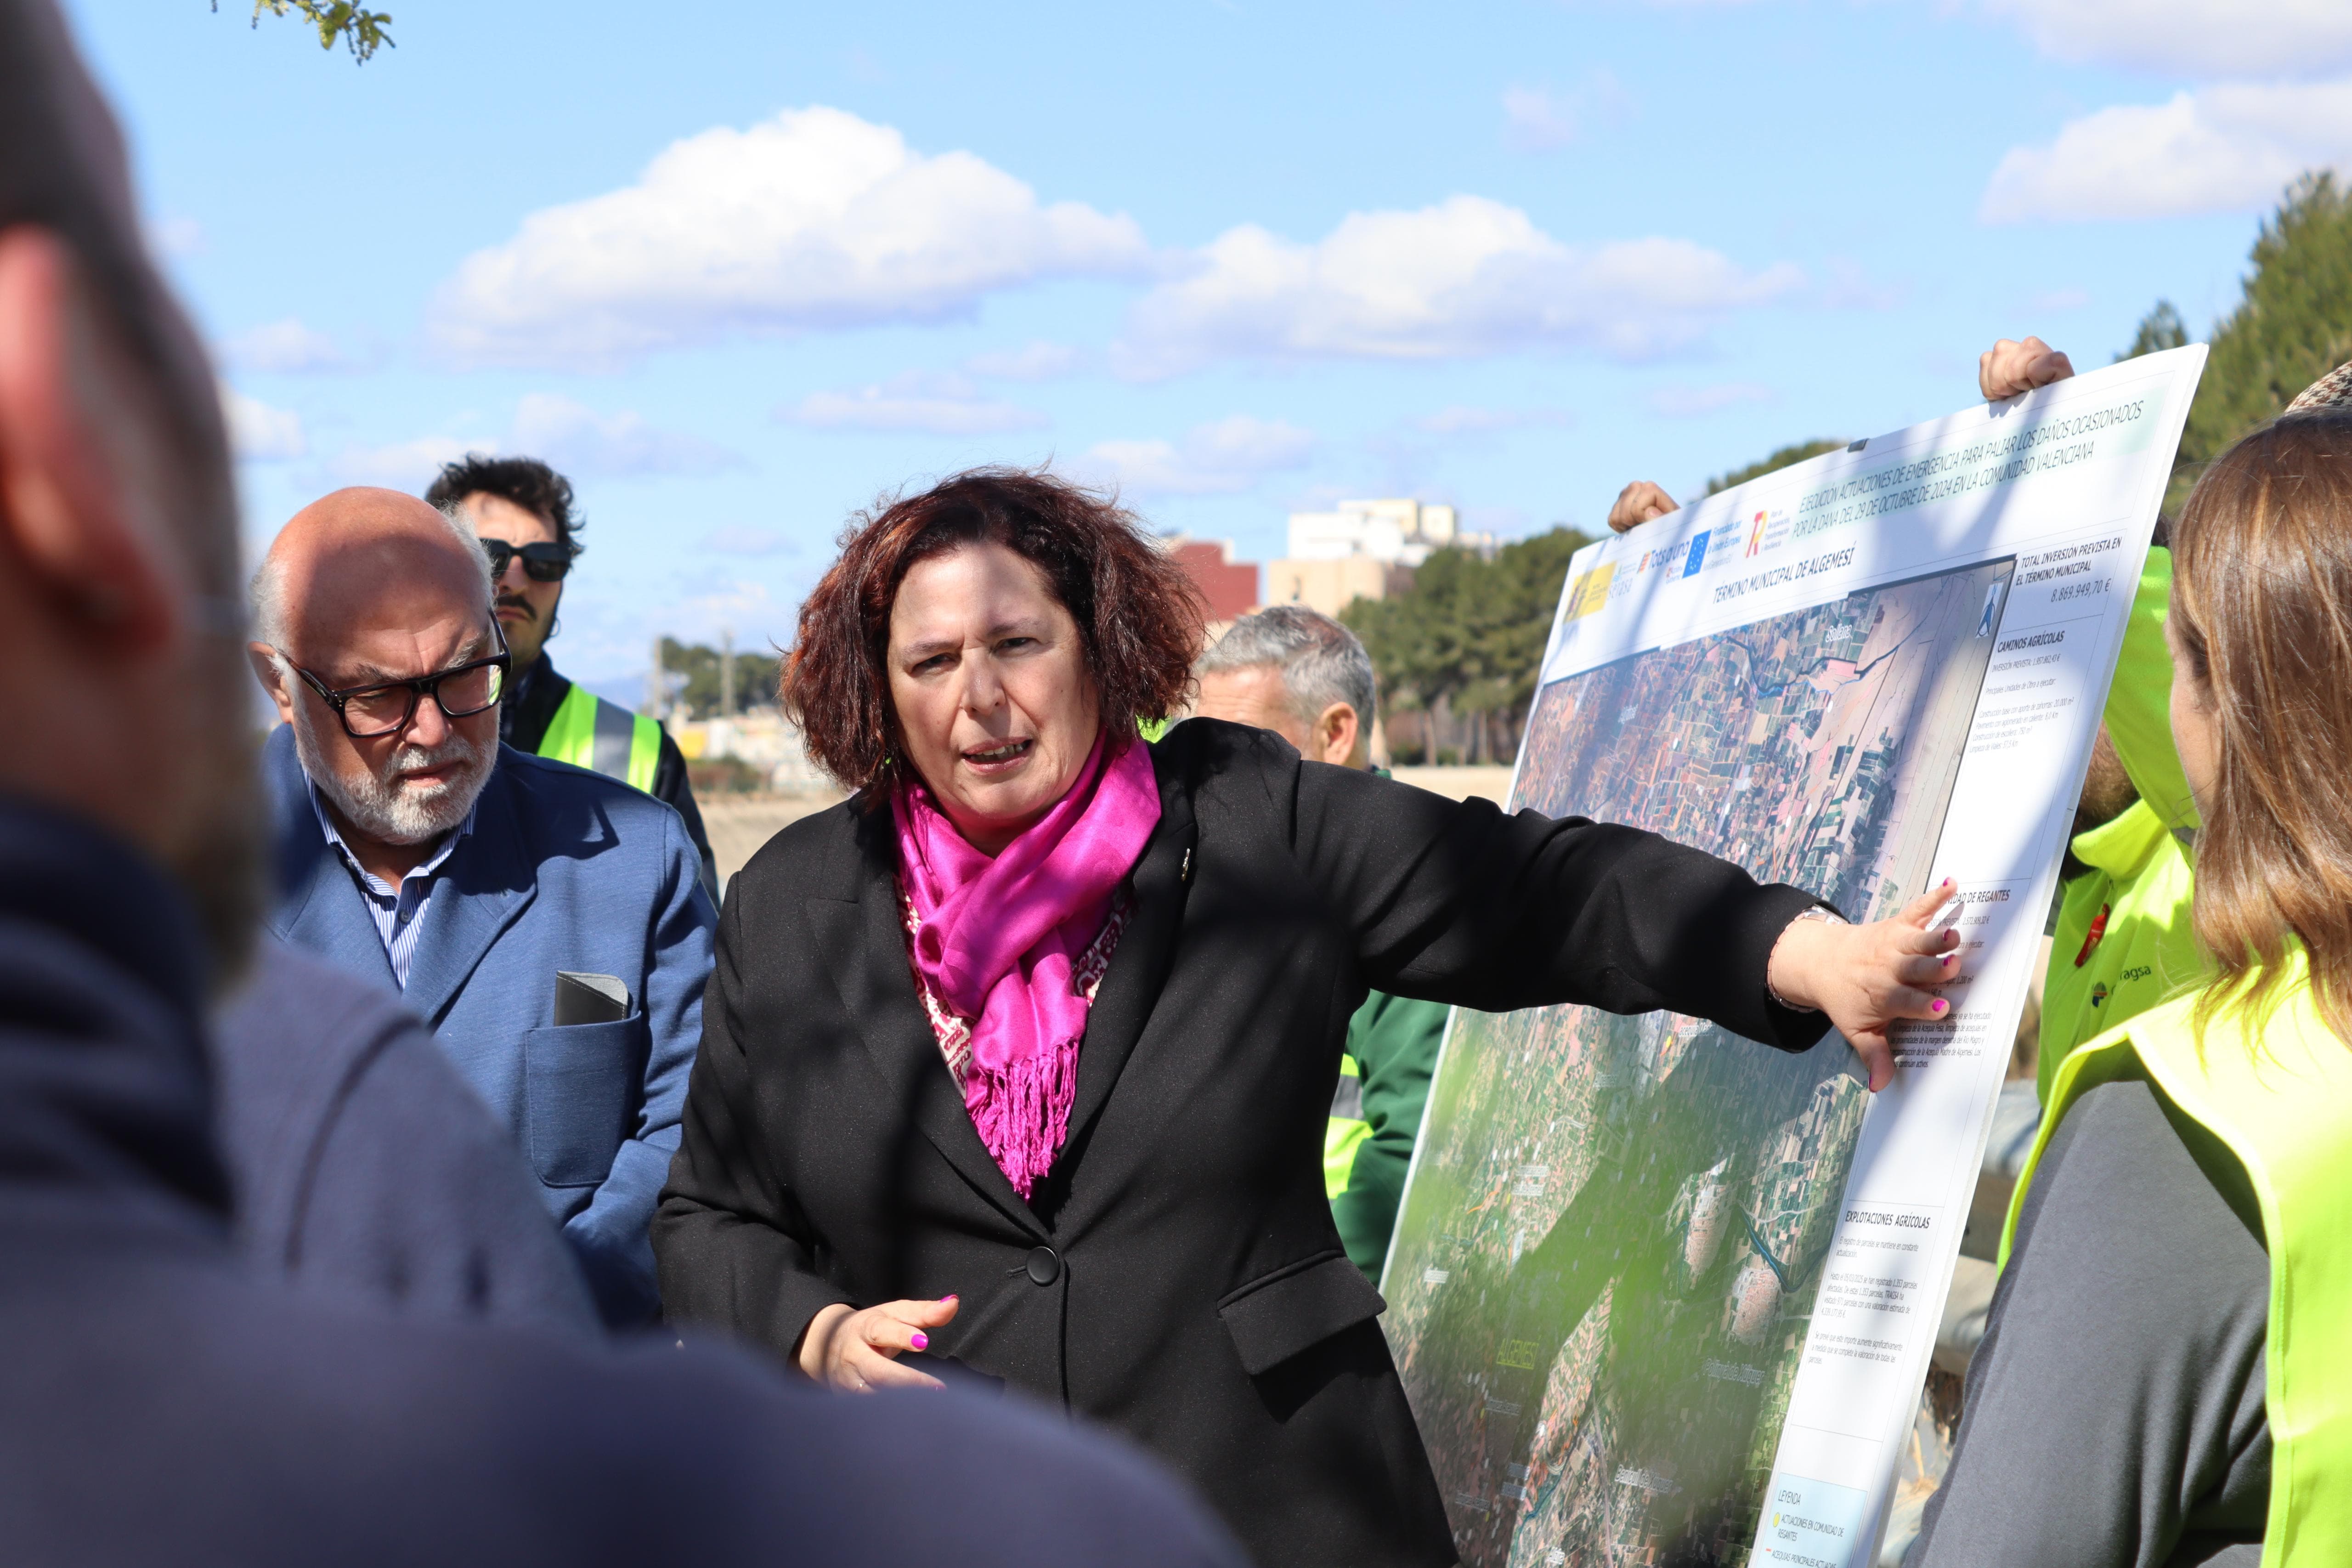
column 1664, row 1295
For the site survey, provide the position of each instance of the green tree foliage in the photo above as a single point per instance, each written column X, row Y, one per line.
column 1777, row 460
column 755, row 678
column 1470, row 631
column 338, row 21
column 2293, row 325
column 2159, row 330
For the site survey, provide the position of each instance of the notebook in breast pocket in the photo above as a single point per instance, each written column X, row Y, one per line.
column 583, row 998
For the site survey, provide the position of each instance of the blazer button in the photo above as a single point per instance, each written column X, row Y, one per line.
column 1045, row 1266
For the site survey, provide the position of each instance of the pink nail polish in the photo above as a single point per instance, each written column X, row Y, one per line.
column 920, row 1340
column 1940, row 1007
column 949, row 1297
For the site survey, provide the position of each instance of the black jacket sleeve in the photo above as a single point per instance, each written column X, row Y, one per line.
column 730, row 1238
column 1455, row 901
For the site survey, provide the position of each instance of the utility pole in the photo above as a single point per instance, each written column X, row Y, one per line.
column 727, row 672
column 654, row 683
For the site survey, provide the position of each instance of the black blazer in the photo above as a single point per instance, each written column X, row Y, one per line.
column 1178, row 1275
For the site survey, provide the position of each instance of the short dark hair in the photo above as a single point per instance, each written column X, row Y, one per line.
column 1139, row 618
column 525, row 482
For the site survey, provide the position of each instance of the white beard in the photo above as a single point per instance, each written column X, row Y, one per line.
column 391, row 811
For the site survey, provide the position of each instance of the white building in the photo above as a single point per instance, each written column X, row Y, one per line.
column 1360, row 549
column 1398, row 533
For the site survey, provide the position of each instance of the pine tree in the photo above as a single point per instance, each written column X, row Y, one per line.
column 2293, row 325
column 2159, row 330
column 1784, row 458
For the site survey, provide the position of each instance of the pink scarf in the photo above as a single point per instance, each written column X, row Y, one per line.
column 1000, row 937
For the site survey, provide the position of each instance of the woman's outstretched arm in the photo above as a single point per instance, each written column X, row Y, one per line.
column 1459, row 903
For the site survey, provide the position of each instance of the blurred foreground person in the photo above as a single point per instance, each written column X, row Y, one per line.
column 522, row 510
column 547, row 922
column 164, row 1404
column 1306, row 678
column 361, row 1164
column 2164, row 1376
column 1021, row 1061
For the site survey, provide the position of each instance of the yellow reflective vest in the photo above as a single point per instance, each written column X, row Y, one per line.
column 2279, row 1095
column 2122, row 942
column 1347, row 1128
column 589, row 732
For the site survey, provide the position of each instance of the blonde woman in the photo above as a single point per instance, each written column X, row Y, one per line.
column 2167, row 1376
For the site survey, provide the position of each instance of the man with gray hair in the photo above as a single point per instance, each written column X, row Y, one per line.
column 1306, row 678
column 1299, row 673
column 546, row 922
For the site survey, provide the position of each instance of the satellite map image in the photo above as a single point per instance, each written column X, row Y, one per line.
column 1610, row 1249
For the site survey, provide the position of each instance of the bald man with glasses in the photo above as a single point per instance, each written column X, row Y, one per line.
column 548, row 922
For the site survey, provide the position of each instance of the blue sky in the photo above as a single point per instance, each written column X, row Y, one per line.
column 741, row 268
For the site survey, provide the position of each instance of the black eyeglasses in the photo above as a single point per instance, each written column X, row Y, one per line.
column 386, row 707
column 541, row 562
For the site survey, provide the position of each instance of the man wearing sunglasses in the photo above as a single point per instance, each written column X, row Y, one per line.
column 547, row 922
column 522, row 509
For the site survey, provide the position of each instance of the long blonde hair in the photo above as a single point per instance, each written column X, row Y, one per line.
column 2261, row 610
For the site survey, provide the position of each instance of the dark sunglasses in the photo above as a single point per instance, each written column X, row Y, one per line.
column 386, row 707
column 541, row 562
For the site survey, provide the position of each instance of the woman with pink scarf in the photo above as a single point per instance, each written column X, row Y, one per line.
column 1015, row 1066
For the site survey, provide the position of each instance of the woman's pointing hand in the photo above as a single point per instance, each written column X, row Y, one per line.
column 1867, row 977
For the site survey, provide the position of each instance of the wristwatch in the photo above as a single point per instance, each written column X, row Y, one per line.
column 1821, row 912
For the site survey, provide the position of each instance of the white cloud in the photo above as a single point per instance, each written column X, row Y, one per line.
column 1692, row 402
column 933, row 404
column 2230, row 148
column 1535, row 120
column 1468, row 277
column 812, row 219
column 578, row 440
column 286, row 346
column 400, row 465
column 1848, row 287
column 258, row 433
column 570, row 437
column 176, row 238
column 1039, row 361
column 1217, row 458
column 2202, row 39
column 1463, row 420
column 1540, row 120
column 739, row 539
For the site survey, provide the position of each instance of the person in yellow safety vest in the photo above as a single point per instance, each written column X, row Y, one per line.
column 521, row 511
column 2166, row 1375
column 1306, row 678
column 2123, row 941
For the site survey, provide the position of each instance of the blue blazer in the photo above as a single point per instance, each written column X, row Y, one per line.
column 565, row 869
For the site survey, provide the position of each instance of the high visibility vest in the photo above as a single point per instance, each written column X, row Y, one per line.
column 1347, row 1128
column 589, row 732
column 2123, row 941
column 2280, row 1097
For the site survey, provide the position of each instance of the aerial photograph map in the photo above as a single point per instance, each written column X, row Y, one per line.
column 1610, row 1250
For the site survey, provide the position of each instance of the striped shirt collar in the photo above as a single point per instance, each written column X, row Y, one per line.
column 396, row 911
